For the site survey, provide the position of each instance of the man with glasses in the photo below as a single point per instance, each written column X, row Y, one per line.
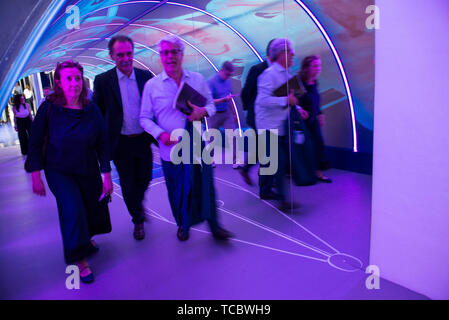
column 118, row 93
column 190, row 186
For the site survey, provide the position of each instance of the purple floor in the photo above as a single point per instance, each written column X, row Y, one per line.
column 318, row 252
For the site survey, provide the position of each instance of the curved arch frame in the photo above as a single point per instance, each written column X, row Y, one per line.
column 340, row 66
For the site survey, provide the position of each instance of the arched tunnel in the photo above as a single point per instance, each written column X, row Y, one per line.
column 319, row 251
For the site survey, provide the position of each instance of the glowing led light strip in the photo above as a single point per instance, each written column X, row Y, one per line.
column 190, row 7
column 340, row 65
column 27, row 50
column 148, row 27
column 167, row 32
column 95, row 57
column 57, row 19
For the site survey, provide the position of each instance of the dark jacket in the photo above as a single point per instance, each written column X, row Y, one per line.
column 108, row 98
column 249, row 91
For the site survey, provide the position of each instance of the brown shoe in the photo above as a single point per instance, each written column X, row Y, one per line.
column 139, row 231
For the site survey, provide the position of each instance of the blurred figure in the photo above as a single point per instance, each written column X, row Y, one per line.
column 89, row 91
column 221, row 88
column 310, row 70
column 271, row 113
column 22, row 121
column 118, row 94
column 248, row 95
column 46, row 91
column 28, row 93
column 77, row 151
column 190, row 187
column 18, row 89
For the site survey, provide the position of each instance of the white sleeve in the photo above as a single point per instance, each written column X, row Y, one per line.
column 146, row 113
column 265, row 89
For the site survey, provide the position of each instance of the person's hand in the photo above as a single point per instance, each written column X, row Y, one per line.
column 108, row 186
column 321, row 120
column 15, row 128
column 291, row 99
column 229, row 97
column 38, row 185
column 165, row 139
column 197, row 112
column 303, row 113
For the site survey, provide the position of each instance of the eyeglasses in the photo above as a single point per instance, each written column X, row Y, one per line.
column 172, row 51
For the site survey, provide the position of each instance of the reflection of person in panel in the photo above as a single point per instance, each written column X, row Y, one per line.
column 190, row 204
column 22, row 121
column 248, row 95
column 271, row 114
column 118, row 92
column 77, row 151
column 310, row 70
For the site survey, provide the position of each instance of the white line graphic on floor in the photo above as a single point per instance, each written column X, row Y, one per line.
column 355, row 264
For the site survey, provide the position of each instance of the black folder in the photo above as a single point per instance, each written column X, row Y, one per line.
column 187, row 93
column 294, row 83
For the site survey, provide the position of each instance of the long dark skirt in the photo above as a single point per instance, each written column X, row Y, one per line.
column 23, row 131
column 318, row 142
column 81, row 215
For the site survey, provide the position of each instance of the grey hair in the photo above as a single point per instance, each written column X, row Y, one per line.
column 173, row 40
column 277, row 46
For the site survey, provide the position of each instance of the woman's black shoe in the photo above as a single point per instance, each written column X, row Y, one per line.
column 182, row 234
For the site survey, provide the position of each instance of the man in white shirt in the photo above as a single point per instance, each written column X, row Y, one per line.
column 272, row 112
column 159, row 118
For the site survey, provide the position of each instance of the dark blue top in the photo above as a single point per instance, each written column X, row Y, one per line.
column 77, row 140
column 311, row 102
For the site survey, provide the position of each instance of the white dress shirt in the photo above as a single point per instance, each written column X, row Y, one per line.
column 270, row 110
column 158, row 113
column 130, row 94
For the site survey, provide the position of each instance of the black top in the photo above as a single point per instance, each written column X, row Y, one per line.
column 311, row 102
column 249, row 91
column 77, row 140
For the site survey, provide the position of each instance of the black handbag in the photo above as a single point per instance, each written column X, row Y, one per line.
column 100, row 220
column 44, row 144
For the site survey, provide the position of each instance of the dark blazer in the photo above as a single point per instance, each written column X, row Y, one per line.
column 249, row 92
column 108, row 98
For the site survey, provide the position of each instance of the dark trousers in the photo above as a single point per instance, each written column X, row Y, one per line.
column 23, row 131
column 76, row 197
column 267, row 182
column 251, row 122
column 179, row 181
column 134, row 162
